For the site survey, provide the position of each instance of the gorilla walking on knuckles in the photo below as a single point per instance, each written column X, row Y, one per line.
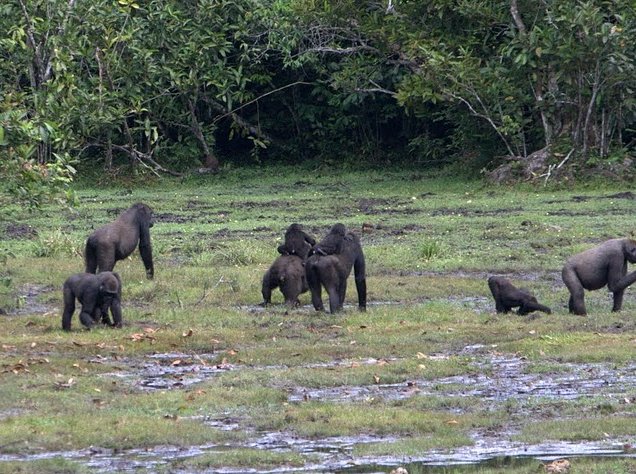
column 287, row 273
column 332, row 271
column 97, row 294
column 117, row 240
column 508, row 296
column 599, row 266
column 297, row 242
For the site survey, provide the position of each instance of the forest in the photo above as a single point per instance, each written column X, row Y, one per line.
column 519, row 90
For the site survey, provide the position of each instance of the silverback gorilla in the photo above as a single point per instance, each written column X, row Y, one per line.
column 297, row 242
column 599, row 266
column 508, row 296
column 287, row 273
column 332, row 242
column 117, row 240
column 97, row 294
column 332, row 271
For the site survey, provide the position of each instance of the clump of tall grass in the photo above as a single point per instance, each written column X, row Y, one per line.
column 430, row 249
column 56, row 244
column 241, row 253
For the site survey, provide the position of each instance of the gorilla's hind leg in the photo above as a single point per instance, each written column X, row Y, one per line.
column 576, row 304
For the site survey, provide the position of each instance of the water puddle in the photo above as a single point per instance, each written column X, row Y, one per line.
column 496, row 378
column 169, row 371
column 335, row 455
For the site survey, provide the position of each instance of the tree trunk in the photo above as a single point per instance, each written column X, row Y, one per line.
column 209, row 160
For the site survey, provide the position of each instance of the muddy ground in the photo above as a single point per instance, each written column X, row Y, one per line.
column 497, row 378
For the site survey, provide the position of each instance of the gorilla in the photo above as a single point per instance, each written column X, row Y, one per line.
column 117, row 240
column 332, row 242
column 599, row 266
column 332, row 271
column 297, row 242
column 508, row 296
column 287, row 273
column 97, row 294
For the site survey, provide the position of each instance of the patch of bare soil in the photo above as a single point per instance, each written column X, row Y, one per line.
column 19, row 231
column 28, row 298
column 463, row 211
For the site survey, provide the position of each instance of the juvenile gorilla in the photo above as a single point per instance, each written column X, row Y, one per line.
column 508, row 296
column 332, row 271
column 599, row 266
column 287, row 273
column 97, row 294
column 332, row 242
column 297, row 242
column 117, row 240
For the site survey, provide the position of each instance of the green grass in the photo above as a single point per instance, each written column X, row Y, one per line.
column 430, row 244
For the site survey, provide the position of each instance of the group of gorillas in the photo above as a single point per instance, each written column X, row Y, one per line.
column 591, row 269
column 98, row 290
column 306, row 265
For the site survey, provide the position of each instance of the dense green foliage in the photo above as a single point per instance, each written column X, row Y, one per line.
column 167, row 86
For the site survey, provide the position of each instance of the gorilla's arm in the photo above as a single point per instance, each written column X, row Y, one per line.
column 359, row 271
column 617, row 282
column 529, row 306
column 493, row 284
column 145, row 249
column 309, row 239
column 115, row 305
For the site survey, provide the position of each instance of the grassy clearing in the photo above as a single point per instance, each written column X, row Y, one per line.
column 430, row 245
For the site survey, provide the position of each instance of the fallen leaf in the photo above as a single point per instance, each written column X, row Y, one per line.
column 376, row 379
column 420, row 355
column 188, row 333
column 67, row 384
column 452, row 422
column 559, row 466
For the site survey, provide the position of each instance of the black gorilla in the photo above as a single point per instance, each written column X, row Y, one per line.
column 332, row 243
column 97, row 294
column 599, row 266
column 287, row 273
column 508, row 296
column 297, row 242
column 332, row 271
column 117, row 240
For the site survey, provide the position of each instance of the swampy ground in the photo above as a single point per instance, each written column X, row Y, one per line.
column 201, row 378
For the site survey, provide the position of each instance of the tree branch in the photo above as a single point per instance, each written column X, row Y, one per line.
column 259, row 98
column 516, row 16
